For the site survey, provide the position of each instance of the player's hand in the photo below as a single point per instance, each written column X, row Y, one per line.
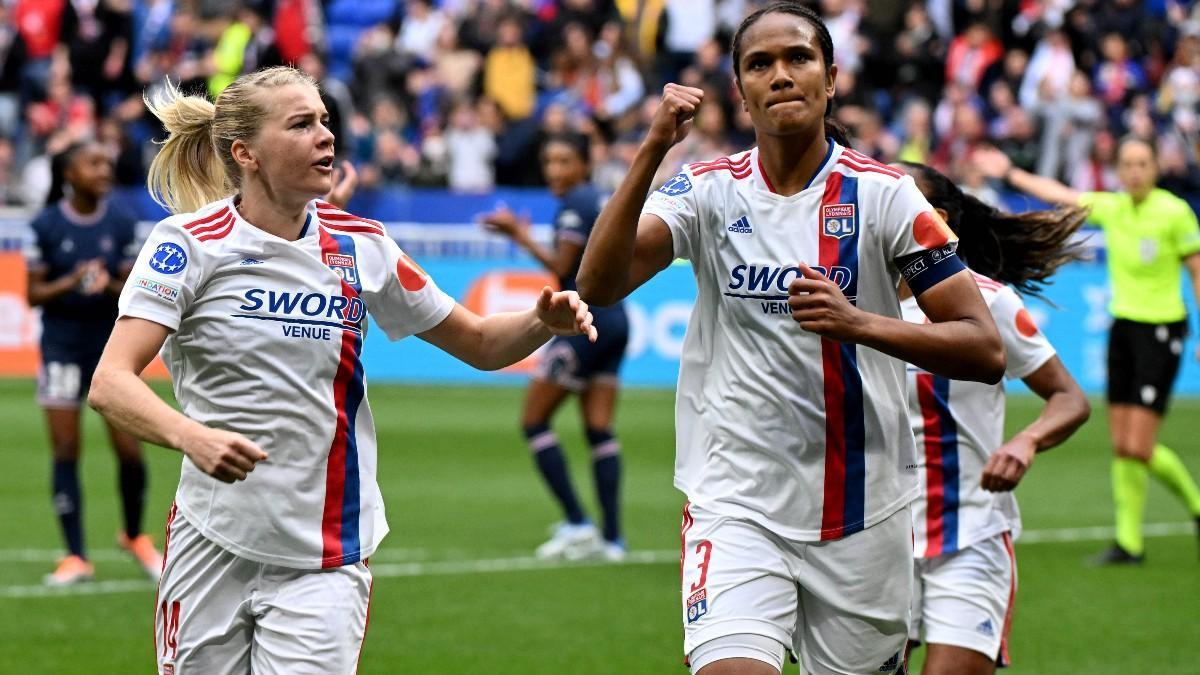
column 345, row 183
column 1008, row 464
column 673, row 119
column 819, row 306
column 224, row 455
column 565, row 314
column 504, row 221
column 991, row 162
column 98, row 279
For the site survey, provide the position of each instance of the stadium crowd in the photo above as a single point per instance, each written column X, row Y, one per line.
column 461, row 93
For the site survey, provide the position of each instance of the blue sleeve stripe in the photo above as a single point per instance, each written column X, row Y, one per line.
column 926, row 269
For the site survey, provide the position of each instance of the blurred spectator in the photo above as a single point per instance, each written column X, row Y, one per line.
column 1069, row 125
column 97, row 35
column 620, row 82
column 471, row 148
column 419, row 30
column 509, row 71
column 917, row 133
column 689, row 24
column 12, row 62
column 970, row 54
column 1098, row 172
column 457, row 68
column 299, row 25
column 10, row 193
column 919, row 53
column 1049, row 71
column 247, row 43
column 1117, row 77
column 337, row 99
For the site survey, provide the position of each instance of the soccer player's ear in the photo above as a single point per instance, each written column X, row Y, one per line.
column 243, row 155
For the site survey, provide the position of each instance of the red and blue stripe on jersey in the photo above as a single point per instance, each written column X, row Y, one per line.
column 941, row 465
column 339, row 522
column 845, row 429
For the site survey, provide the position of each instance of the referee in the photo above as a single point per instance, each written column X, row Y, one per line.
column 1150, row 235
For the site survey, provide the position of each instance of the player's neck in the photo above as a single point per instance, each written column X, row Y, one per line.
column 790, row 162
column 83, row 204
column 284, row 220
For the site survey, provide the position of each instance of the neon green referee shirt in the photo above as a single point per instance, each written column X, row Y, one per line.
column 1146, row 246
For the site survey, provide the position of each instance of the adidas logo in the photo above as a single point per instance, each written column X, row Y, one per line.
column 741, row 226
column 986, row 628
column 891, row 664
column 251, row 261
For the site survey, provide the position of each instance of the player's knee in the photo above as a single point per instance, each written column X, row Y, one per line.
column 744, row 654
column 1125, row 449
column 603, row 442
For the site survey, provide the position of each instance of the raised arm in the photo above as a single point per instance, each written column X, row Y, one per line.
column 559, row 260
column 119, row 394
column 996, row 164
column 1065, row 411
column 961, row 342
column 627, row 248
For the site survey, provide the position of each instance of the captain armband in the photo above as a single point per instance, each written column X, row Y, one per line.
column 925, row 269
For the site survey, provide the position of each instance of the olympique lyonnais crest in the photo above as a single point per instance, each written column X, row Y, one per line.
column 343, row 266
column 697, row 605
column 838, row 220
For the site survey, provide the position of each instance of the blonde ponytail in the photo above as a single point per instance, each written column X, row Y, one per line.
column 186, row 173
column 195, row 165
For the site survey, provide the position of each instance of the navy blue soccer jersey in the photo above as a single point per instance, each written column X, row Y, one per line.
column 577, row 214
column 62, row 239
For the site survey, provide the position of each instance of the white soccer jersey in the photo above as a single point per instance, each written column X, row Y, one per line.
column 806, row 436
column 958, row 425
column 266, row 341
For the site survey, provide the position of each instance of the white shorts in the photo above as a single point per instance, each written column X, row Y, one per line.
column 217, row 613
column 965, row 599
column 842, row 606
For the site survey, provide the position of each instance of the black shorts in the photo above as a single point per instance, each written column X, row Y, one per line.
column 573, row 362
column 1143, row 360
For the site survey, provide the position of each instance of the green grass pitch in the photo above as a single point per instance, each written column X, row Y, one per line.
column 454, row 591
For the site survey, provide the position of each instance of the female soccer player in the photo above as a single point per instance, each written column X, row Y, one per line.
column 257, row 294
column 80, row 254
column 792, row 436
column 966, row 517
column 1151, row 236
column 573, row 364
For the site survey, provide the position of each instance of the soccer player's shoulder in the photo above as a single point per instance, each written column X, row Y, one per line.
column 203, row 228
column 338, row 221
column 991, row 289
column 870, row 171
column 735, row 167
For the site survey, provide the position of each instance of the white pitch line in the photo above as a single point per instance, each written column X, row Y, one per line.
column 518, row 564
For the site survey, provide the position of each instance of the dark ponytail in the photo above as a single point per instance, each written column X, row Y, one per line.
column 59, row 162
column 833, row 128
column 1019, row 249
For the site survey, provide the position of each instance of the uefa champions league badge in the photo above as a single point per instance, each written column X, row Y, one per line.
column 343, row 266
column 697, row 605
column 838, row 220
column 168, row 258
column 678, row 185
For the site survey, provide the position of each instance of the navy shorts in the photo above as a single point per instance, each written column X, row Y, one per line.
column 64, row 375
column 573, row 362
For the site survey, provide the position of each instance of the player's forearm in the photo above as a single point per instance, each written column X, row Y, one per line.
column 42, row 292
column 129, row 404
column 544, row 256
column 508, row 337
column 961, row 349
column 1045, row 189
column 604, row 272
column 1065, row 411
